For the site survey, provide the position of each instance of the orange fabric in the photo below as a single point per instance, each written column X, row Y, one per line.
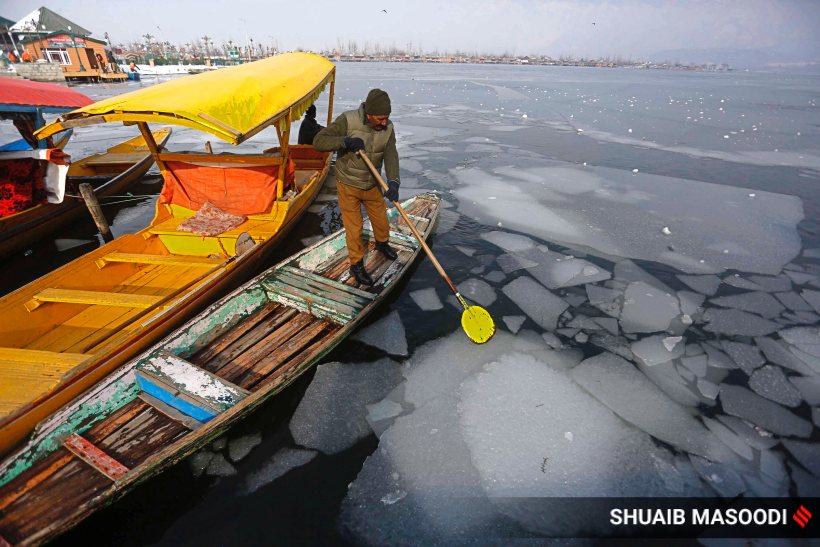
column 350, row 201
column 240, row 190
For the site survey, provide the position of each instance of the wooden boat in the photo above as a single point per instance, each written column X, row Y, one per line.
column 190, row 387
column 62, row 333
column 110, row 173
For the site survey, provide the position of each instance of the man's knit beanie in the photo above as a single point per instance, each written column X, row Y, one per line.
column 377, row 103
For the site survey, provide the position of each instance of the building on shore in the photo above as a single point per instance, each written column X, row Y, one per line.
column 47, row 37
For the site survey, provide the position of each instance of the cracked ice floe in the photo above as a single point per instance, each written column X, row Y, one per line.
column 770, row 382
column 761, row 303
column 549, row 438
column 510, row 263
column 754, row 436
column 647, row 309
column 538, row 303
column 423, row 453
column 557, row 270
column 514, row 322
column 617, row 215
column 240, row 447
column 477, row 290
column 282, row 462
column 654, row 350
column 746, row 356
column 809, row 388
column 626, row 391
column 427, row 299
column 806, row 339
column 345, row 388
column 808, row 454
column 704, row 284
column 793, row 301
column 777, row 352
column 509, row 242
column 495, row 276
column 741, row 402
column 737, row 322
column 386, row 334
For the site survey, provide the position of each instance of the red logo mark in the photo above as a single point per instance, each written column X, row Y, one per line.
column 802, row 516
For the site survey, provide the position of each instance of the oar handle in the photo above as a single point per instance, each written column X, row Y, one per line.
column 416, row 233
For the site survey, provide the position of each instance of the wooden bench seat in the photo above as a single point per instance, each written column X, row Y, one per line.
column 22, row 355
column 259, row 230
column 162, row 260
column 98, row 298
column 184, row 386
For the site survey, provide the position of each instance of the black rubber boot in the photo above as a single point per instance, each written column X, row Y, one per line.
column 385, row 249
column 362, row 277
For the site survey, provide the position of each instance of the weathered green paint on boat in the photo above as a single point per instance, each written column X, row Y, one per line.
column 249, row 339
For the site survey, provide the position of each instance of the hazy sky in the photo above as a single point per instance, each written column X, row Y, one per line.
column 629, row 28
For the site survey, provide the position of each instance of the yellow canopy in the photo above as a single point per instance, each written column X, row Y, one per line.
column 232, row 103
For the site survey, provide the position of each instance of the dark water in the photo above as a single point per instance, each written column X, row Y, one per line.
column 669, row 124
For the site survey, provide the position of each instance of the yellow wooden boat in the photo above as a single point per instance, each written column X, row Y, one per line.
column 109, row 173
column 63, row 332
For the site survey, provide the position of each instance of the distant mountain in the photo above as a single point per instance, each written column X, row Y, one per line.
column 756, row 59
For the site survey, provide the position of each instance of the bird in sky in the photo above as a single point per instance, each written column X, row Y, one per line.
column 384, row 10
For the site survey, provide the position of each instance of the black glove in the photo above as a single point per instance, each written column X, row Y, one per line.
column 392, row 193
column 354, row 144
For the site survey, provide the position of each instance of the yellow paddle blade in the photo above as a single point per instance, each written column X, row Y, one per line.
column 478, row 324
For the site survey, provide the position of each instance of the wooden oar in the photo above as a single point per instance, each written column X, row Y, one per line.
column 475, row 320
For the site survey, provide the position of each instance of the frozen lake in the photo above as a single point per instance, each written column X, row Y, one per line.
column 647, row 242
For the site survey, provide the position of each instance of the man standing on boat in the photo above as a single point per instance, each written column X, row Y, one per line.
column 367, row 128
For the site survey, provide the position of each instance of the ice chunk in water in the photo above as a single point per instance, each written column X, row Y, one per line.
column 495, row 276
column 628, row 271
column 812, row 297
column 793, row 301
column 509, row 242
column 513, row 322
column 808, row 454
column 725, row 480
column 345, row 388
column 654, row 350
column 708, row 389
column 746, row 356
column 704, row 284
column 807, row 485
column 199, row 461
column 647, row 309
column 755, row 437
column 741, row 402
column 634, row 398
column 241, row 446
column 469, row 251
column 427, row 299
column 556, row 270
column 730, row 438
column 219, row 467
column 538, row 303
column 387, row 334
column 608, row 323
column 809, row 388
column 690, row 302
column 510, row 263
column 805, row 338
column 770, row 382
column 477, row 290
column 738, row 282
column 282, row 462
column 737, row 322
column 64, row 244
column 761, row 303
column 772, row 284
column 777, row 353
column 697, row 364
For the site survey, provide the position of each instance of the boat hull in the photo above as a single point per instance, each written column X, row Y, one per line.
column 277, row 326
column 104, row 335
column 26, row 227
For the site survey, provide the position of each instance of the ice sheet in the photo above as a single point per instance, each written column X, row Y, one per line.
column 621, row 215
